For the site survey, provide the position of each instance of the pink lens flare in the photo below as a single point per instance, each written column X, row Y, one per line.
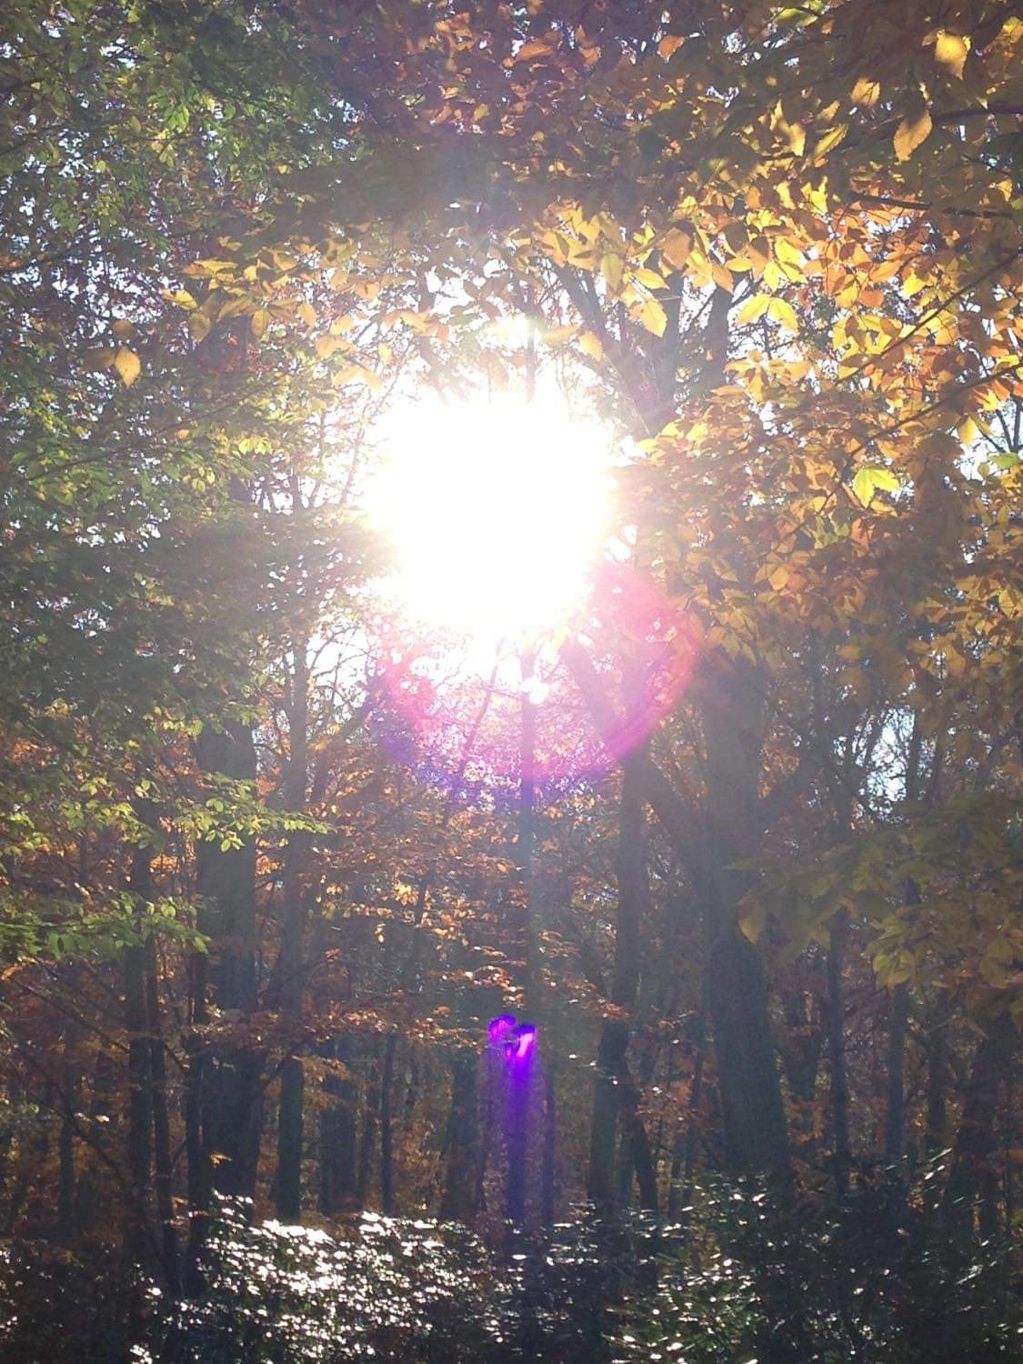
column 454, row 715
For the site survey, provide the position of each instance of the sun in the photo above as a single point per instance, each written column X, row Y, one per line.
column 495, row 510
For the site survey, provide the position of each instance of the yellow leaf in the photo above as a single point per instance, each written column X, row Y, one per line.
column 611, row 269
column 752, row 309
column 128, row 366
column 831, row 139
column 259, row 322
column 951, row 51
column 783, row 313
column 650, row 279
column 307, row 313
column 911, row 132
column 181, row 297
column 652, row 316
column 788, row 254
column 778, row 577
column 325, row 346
column 557, row 336
column 866, row 92
column 590, row 344
column 968, row 431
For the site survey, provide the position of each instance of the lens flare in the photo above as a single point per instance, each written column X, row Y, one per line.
column 495, row 512
column 498, row 515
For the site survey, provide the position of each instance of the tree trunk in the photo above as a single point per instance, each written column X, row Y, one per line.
column 458, row 1200
column 291, row 963
column 974, row 1148
column 140, row 1094
column 841, row 1150
column 683, row 1160
column 615, row 1094
column 338, row 1164
column 370, row 1123
column 895, row 1109
column 66, row 1201
column 751, row 1101
column 164, row 1169
column 232, row 1093
column 387, row 1126
column 936, row 1051
column 711, row 848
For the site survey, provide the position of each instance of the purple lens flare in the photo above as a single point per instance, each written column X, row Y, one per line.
column 517, row 1040
column 520, row 1046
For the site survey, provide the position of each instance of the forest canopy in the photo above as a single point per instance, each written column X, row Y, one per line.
column 511, row 603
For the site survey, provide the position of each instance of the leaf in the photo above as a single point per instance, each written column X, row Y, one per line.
column 866, row 92
column 652, row 315
column 101, row 358
column 675, row 247
column 667, row 46
column 752, row 919
column 951, row 51
column 199, row 326
column 869, row 479
column 649, row 279
column 611, row 269
column 721, row 276
column 558, row 336
column 783, row 313
column 181, row 298
column 537, row 47
column 910, row 133
column 831, row 139
column 259, row 322
column 128, row 366
column 590, row 344
column 752, row 309
column 325, row 346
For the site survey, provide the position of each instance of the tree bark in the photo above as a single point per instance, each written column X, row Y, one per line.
column 338, row 1129
column 974, row 1147
column 292, row 1084
column 232, row 1095
column 163, row 1162
column 711, row 848
column 936, row 1052
column 895, row 1108
column 458, row 1200
column 615, row 1096
column 387, row 1125
column 841, row 1151
column 140, row 1097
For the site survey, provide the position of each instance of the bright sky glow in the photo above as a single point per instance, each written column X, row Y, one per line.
column 495, row 510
